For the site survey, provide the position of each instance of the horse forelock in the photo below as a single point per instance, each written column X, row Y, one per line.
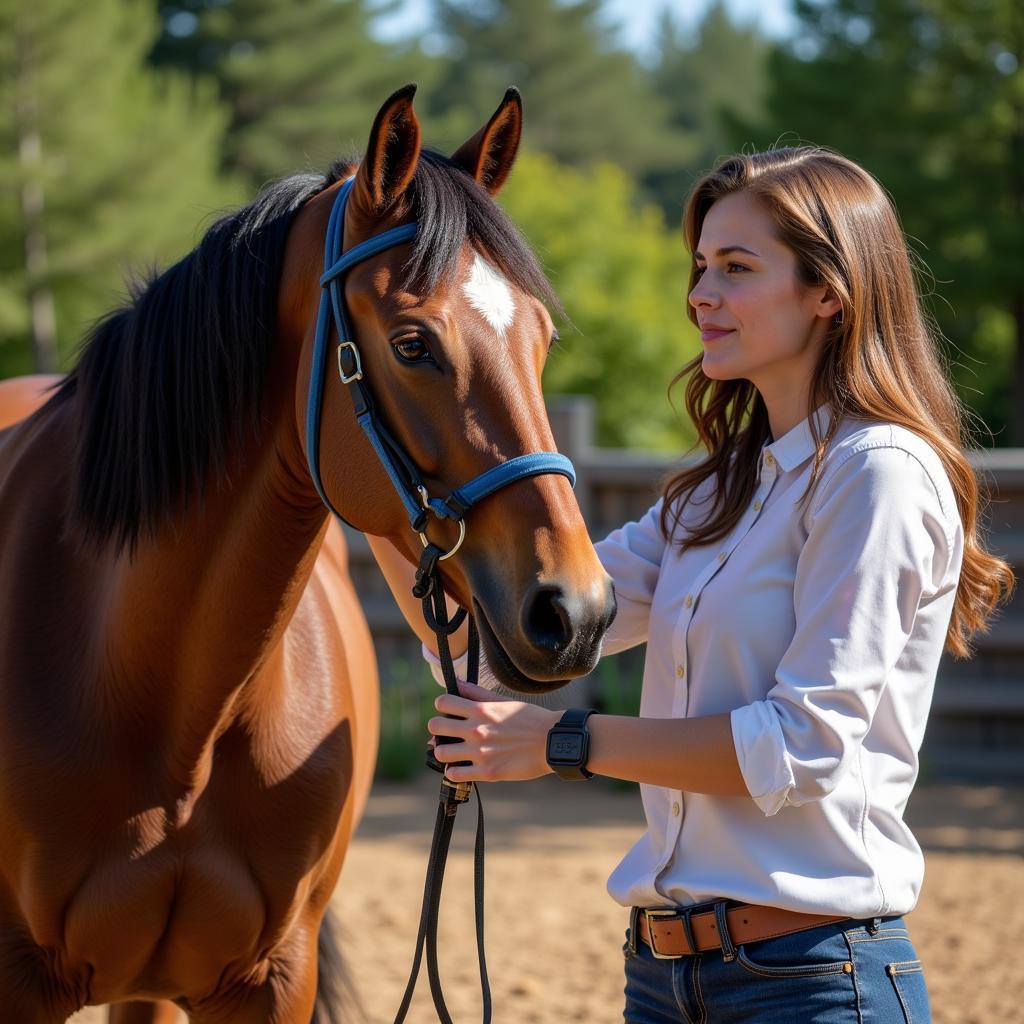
column 453, row 211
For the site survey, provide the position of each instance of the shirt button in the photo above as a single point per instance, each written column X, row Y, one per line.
column 722, row 555
column 757, row 505
column 680, row 671
column 689, row 601
column 675, row 809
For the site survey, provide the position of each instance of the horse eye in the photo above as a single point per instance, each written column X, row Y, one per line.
column 412, row 350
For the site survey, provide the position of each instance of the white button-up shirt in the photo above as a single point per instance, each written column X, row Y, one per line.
column 819, row 628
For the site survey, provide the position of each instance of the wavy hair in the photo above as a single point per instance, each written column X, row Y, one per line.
column 880, row 358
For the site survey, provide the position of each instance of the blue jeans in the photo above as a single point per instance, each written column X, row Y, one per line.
column 852, row 972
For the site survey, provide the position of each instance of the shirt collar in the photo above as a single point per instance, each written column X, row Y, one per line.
column 796, row 446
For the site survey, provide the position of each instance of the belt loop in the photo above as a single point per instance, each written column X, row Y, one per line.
column 728, row 949
column 634, row 913
column 688, row 930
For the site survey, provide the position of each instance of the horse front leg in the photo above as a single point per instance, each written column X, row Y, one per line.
column 144, row 1013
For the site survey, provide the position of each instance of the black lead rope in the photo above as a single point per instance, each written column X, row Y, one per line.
column 430, row 590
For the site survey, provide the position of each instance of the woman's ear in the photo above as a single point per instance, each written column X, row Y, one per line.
column 829, row 305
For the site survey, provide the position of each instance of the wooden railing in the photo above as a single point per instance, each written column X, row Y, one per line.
column 977, row 723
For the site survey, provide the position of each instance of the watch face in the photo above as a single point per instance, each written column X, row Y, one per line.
column 566, row 747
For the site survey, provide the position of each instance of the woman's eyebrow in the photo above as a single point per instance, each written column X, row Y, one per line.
column 726, row 251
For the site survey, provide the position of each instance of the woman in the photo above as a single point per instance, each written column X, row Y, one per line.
column 796, row 589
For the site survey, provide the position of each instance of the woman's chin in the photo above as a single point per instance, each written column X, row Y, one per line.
column 717, row 369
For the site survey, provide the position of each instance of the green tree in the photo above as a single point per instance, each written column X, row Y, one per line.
column 621, row 275
column 585, row 97
column 929, row 96
column 104, row 166
column 712, row 81
column 303, row 81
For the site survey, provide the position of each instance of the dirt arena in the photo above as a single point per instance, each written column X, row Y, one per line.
column 553, row 935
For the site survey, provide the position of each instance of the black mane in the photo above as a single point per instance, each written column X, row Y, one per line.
column 169, row 383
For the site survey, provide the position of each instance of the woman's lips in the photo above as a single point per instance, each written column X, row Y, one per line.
column 713, row 333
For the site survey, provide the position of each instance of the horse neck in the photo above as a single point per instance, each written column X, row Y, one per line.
column 200, row 613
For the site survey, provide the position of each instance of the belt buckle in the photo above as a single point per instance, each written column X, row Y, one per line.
column 650, row 912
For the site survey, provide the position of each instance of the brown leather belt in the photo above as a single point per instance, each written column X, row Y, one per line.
column 665, row 929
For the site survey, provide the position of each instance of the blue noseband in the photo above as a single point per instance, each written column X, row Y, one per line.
column 400, row 468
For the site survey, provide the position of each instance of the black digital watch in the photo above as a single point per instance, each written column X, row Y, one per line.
column 569, row 745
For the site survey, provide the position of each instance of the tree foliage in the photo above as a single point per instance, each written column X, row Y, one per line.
column 302, row 81
column 713, row 82
column 586, row 98
column 621, row 275
column 105, row 166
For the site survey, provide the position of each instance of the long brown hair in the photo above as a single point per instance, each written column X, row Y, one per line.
column 879, row 361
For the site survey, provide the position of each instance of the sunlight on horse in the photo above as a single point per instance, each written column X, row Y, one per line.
column 188, row 692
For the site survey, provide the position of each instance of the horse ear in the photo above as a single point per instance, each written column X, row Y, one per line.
column 391, row 155
column 488, row 156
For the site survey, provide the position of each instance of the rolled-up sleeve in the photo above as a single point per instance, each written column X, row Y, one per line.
column 879, row 542
column 632, row 557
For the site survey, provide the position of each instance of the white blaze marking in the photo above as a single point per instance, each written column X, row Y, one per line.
column 489, row 294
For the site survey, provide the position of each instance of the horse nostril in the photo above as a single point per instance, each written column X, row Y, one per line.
column 547, row 618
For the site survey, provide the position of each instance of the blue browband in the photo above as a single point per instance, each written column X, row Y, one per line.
column 400, row 468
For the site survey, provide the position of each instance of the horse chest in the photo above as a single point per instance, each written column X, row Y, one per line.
column 166, row 921
column 165, row 907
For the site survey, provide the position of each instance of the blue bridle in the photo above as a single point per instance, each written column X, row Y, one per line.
column 400, row 468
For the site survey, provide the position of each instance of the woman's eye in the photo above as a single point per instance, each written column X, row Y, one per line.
column 736, row 266
column 412, row 350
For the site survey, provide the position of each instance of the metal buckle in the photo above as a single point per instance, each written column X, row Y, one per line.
column 358, row 375
column 650, row 912
column 425, row 502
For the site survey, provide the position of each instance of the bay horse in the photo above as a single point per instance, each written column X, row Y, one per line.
column 188, row 693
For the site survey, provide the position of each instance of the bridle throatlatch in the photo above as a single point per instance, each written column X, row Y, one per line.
column 429, row 587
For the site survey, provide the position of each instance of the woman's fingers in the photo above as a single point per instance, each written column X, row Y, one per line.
column 441, row 725
column 478, row 693
column 458, row 706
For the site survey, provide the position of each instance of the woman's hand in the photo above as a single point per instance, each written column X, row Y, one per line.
column 505, row 740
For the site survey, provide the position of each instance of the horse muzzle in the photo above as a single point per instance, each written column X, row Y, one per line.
column 553, row 636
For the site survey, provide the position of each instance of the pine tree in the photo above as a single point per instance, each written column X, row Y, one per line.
column 585, row 97
column 302, row 80
column 709, row 82
column 105, row 167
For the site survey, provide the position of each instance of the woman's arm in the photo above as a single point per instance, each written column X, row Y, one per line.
column 400, row 576
column 506, row 740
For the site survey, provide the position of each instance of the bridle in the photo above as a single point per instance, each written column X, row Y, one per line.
column 400, row 468
column 429, row 588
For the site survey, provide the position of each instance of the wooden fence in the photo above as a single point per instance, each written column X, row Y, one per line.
column 977, row 724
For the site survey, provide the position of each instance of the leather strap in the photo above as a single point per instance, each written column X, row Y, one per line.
column 665, row 930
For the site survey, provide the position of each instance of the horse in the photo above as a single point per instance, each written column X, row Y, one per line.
column 188, row 691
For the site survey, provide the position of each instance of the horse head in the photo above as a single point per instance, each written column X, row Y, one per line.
column 451, row 335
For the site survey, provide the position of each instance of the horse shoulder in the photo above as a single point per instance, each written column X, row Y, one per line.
column 333, row 600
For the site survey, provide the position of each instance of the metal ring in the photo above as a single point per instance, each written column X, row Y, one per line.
column 458, row 543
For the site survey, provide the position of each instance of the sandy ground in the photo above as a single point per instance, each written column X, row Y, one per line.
column 553, row 935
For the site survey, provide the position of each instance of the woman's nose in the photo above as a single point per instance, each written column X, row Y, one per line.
column 702, row 295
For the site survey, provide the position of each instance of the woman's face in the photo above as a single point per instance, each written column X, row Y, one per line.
column 756, row 319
